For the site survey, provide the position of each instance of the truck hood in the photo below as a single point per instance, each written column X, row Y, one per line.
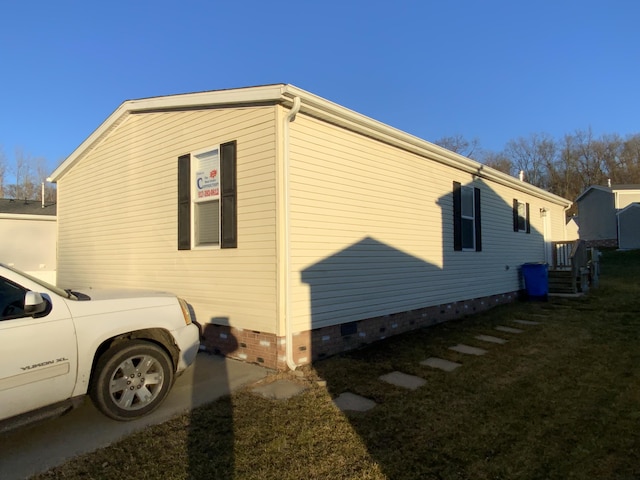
column 119, row 293
column 104, row 302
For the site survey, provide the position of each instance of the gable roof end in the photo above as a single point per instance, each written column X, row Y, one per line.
column 628, row 207
column 312, row 105
column 593, row 187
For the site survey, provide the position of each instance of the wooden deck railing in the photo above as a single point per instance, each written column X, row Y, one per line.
column 574, row 256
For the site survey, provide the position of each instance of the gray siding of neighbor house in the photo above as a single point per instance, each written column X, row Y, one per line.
column 629, row 227
column 597, row 216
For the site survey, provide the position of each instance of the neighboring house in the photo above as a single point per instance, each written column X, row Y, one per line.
column 598, row 208
column 572, row 228
column 28, row 237
column 629, row 227
column 295, row 227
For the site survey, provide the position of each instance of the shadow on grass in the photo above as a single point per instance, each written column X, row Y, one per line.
column 211, row 439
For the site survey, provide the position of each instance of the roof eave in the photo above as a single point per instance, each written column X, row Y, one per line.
column 313, row 105
column 189, row 100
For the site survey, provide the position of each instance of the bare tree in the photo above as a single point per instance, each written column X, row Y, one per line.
column 499, row 161
column 30, row 173
column 458, row 144
column 630, row 160
column 590, row 163
column 531, row 156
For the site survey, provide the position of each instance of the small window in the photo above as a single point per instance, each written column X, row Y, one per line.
column 466, row 218
column 521, row 217
column 207, row 198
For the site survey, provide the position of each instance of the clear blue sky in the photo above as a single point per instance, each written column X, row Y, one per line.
column 492, row 70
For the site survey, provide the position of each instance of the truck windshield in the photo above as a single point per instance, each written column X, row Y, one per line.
column 48, row 286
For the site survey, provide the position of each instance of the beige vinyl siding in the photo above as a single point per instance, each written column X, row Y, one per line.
column 372, row 230
column 118, row 214
column 626, row 197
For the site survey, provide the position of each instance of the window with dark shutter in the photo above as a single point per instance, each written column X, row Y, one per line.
column 467, row 224
column 521, row 217
column 209, row 214
column 457, row 216
column 228, row 195
column 184, row 202
column 478, row 223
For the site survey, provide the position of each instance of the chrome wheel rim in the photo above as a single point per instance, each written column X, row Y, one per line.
column 136, row 382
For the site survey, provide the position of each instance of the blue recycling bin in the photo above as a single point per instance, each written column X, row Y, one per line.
column 536, row 280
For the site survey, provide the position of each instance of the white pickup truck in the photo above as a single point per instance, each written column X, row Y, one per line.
column 123, row 348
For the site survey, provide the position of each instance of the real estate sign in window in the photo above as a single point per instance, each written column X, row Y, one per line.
column 206, row 198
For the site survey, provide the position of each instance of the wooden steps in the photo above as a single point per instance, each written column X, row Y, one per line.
column 561, row 281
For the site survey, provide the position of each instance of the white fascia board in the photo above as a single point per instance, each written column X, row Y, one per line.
column 342, row 116
column 22, row 216
column 312, row 105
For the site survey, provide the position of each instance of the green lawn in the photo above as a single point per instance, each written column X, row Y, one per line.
column 560, row 400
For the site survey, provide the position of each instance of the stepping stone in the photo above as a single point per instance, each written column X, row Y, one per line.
column 490, row 339
column 400, row 379
column 279, row 390
column 501, row 328
column 461, row 348
column 351, row 401
column 440, row 363
column 526, row 322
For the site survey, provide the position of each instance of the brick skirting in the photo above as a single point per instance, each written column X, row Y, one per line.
column 268, row 350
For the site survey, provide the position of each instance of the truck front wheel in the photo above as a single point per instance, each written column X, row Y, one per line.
column 131, row 380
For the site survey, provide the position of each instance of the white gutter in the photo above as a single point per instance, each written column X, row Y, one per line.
column 313, row 105
column 26, row 216
column 332, row 112
column 288, row 323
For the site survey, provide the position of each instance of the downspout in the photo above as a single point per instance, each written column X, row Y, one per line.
column 288, row 326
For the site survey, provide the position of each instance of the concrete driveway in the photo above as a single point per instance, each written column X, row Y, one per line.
column 50, row 443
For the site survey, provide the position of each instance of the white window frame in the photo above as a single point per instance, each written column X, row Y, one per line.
column 522, row 214
column 195, row 166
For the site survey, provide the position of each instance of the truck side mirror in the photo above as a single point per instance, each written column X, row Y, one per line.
column 34, row 303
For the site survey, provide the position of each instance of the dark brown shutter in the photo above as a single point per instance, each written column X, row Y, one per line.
column 515, row 215
column 228, row 195
column 457, row 216
column 527, row 220
column 476, row 193
column 184, row 202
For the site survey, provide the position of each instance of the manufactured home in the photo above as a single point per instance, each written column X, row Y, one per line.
column 295, row 227
column 28, row 236
column 629, row 227
column 600, row 207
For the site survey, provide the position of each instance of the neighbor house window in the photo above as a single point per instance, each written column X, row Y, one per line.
column 207, row 198
column 466, row 218
column 521, row 217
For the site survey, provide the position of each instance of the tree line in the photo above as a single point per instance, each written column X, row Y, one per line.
column 565, row 166
column 28, row 174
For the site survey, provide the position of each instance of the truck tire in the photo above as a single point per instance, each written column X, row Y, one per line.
column 131, row 380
